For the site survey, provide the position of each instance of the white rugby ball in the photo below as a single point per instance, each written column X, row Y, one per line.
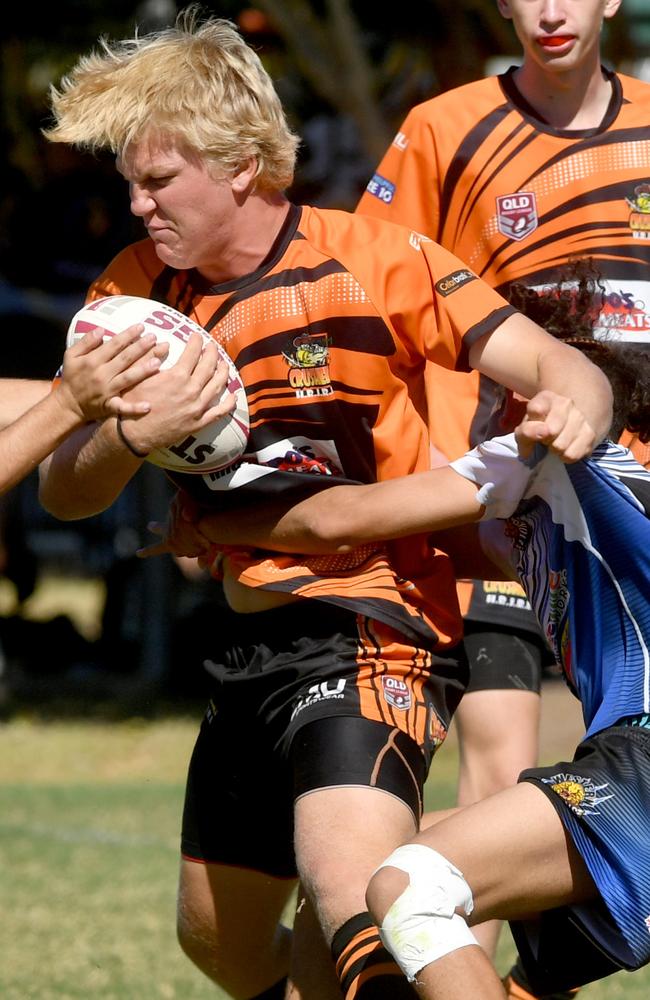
column 216, row 446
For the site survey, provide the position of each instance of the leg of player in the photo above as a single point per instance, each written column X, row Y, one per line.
column 312, row 975
column 497, row 720
column 229, row 926
column 342, row 834
column 507, row 857
column 498, row 739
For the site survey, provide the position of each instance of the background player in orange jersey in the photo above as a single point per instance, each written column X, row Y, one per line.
column 516, row 174
column 334, row 679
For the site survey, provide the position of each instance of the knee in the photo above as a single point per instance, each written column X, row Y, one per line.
column 239, row 959
column 198, row 938
column 417, row 898
column 385, row 886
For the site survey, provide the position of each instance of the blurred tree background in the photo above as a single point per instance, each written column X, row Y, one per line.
column 347, row 74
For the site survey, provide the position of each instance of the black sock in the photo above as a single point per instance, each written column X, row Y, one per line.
column 365, row 969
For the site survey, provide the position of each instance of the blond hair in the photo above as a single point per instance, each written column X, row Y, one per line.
column 197, row 82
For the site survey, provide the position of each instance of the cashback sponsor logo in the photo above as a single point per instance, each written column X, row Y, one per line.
column 452, row 282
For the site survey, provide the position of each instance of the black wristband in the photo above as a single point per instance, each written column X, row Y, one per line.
column 127, row 444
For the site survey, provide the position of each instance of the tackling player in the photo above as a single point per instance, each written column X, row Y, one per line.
column 515, row 174
column 570, row 868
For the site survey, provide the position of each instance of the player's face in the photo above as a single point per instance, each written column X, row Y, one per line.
column 188, row 212
column 559, row 34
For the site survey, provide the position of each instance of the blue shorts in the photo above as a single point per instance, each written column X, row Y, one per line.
column 603, row 799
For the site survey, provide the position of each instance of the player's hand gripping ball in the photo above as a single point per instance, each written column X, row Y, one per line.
column 215, row 447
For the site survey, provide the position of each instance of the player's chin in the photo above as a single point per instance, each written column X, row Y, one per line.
column 173, row 256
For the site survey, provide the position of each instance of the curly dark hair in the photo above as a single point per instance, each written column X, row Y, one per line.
column 569, row 311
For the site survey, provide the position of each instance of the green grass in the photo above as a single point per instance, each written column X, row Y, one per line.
column 89, row 817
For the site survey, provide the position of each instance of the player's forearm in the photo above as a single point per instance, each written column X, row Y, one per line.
column 342, row 517
column 567, row 371
column 17, row 395
column 30, row 438
column 86, row 473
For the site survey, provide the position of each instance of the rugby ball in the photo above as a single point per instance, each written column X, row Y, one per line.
column 215, row 447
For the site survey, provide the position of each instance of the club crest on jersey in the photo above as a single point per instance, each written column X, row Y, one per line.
column 517, row 215
column 396, row 692
column 640, row 212
column 308, row 359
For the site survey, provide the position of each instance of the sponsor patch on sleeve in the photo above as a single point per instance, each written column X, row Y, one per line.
column 452, row 282
column 381, row 188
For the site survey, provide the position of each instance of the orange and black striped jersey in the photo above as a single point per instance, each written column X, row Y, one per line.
column 479, row 172
column 330, row 337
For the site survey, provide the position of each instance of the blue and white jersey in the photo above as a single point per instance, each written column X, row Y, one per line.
column 580, row 543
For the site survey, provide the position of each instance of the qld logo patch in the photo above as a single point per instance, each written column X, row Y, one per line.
column 396, row 692
column 517, row 215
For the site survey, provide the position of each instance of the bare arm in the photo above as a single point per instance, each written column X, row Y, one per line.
column 335, row 520
column 341, row 518
column 18, row 395
column 568, row 393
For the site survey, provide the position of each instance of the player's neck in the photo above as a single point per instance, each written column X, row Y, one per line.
column 257, row 227
column 575, row 99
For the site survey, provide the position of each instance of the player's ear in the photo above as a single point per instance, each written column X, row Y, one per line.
column 611, row 6
column 244, row 176
column 504, row 8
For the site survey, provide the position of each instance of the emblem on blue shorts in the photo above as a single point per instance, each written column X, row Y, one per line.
column 579, row 793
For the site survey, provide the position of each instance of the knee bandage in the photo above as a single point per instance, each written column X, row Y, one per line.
column 422, row 924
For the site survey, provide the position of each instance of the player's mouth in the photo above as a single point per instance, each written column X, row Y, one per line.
column 556, row 43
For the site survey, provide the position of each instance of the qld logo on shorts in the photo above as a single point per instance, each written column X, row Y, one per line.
column 396, row 692
column 517, row 215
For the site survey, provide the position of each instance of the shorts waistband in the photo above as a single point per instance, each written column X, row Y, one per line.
column 638, row 721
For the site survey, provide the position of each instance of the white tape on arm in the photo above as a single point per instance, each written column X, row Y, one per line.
column 503, row 477
column 422, row 924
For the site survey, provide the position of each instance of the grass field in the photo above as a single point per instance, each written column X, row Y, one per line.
column 89, row 814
